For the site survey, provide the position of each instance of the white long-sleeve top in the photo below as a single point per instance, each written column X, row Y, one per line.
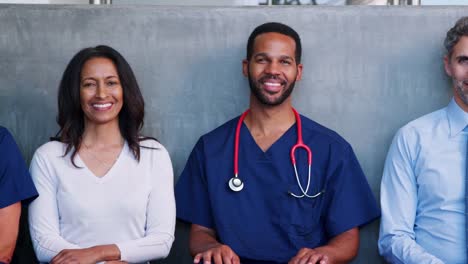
column 131, row 206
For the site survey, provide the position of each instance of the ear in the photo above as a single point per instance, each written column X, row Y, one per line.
column 245, row 67
column 299, row 72
column 447, row 65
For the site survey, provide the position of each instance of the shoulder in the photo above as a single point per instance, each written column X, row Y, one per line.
column 422, row 129
column 9, row 151
column 51, row 148
column 5, row 136
column 4, row 132
column 217, row 137
column 152, row 148
column 418, row 134
column 150, row 143
column 9, row 145
column 154, row 156
column 425, row 123
column 216, row 140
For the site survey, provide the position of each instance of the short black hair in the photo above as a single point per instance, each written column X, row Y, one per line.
column 459, row 30
column 275, row 27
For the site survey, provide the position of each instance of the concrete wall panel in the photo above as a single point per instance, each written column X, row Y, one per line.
column 367, row 71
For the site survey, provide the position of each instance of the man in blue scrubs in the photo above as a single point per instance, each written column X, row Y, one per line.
column 15, row 186
column 263, row 222
column 423, row 194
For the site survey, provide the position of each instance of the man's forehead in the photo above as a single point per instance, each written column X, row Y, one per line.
column 461, row 47
column 270, row 38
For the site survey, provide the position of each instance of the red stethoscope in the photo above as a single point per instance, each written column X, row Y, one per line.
column 236, row 184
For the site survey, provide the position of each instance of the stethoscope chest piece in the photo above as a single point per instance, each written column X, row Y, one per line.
column 236, row 184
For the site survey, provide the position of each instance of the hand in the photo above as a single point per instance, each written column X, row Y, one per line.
column 309, row 256
column 76, row 256
column 220, row 254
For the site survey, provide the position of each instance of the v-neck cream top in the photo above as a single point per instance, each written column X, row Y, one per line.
column 131, row 206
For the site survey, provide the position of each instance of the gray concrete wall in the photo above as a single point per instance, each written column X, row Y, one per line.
column 367, row 71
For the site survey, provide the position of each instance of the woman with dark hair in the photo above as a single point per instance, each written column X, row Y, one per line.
column 105, row 192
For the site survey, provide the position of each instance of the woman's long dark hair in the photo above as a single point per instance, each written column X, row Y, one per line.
column 70, row 114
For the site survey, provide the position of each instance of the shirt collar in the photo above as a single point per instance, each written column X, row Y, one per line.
column 457, row 118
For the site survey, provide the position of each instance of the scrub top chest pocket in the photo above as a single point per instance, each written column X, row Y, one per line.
column 304, row 218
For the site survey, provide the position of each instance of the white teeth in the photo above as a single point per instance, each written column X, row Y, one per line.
column 272, row 84
column 102, row 105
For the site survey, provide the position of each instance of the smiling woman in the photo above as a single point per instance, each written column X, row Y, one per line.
column 83, row 174
column 101, row 98
column 101, row 92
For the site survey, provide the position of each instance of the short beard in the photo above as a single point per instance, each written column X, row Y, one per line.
column 459, row 90
column 256, row 91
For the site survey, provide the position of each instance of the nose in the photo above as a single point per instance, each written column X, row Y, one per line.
column 273, row 68
column 101, row 90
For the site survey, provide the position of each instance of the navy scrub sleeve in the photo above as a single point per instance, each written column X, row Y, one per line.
column 191, row 189
column 15, row 181
column 351, row 203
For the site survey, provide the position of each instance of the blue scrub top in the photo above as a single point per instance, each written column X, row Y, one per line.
column 15, row 182
column 263, row 222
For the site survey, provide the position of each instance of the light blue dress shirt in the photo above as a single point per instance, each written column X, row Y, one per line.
column 423, row 191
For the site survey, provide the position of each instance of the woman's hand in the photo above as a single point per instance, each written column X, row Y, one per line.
column 76, row 256
column 92, row 255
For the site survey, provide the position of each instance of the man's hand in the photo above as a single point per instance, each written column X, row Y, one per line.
column 340, row 249
column 220, row 254
column 309, row 256
column 76, row 256
column 203, row 245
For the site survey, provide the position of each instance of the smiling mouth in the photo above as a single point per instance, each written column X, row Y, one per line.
column 272, row 84
column 101, row 107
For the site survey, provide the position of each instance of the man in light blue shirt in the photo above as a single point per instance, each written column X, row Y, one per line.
column 423, row 184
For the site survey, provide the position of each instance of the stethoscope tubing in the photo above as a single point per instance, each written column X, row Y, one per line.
column 237, row 185
column 236, row 143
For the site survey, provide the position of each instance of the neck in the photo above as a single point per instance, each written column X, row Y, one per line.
column 270, row 119
column 101, row 135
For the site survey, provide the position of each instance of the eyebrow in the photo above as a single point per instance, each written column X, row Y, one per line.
column 462, row 57
column 87, row 78
column 264, row 54
column 92, row 78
